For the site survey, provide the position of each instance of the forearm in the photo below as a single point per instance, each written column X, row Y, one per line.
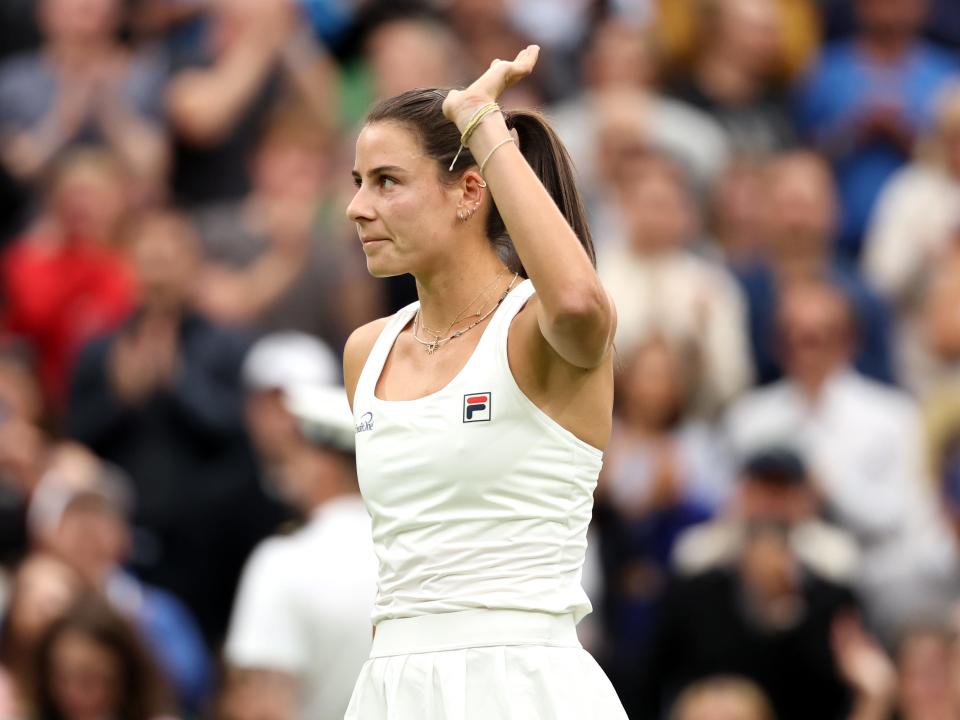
column 314, row 75
column 27, row 153
column 141, row 145
column 240, row 296
column 205, row 104
column 577, row 316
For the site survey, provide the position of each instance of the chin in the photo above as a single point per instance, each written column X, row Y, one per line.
column 380, row 269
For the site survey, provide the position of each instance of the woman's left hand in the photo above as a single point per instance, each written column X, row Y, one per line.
column 460, row 105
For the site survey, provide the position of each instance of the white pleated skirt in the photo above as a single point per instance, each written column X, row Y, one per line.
column 482, row 665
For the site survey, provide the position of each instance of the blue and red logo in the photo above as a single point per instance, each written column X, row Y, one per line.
column 476, row 407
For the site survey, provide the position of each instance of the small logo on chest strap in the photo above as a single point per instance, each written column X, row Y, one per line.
column 366, row 423
column 476, row 407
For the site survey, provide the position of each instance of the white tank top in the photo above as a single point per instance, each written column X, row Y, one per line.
column 478, row 498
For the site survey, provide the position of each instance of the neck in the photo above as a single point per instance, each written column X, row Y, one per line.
column 471, row 284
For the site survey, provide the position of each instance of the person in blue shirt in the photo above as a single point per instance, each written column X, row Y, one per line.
column 865, row 101
column 801, row 207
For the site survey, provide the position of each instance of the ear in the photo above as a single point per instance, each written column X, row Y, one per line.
column 472, row 189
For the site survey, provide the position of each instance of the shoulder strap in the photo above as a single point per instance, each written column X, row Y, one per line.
column 513, row 303
column 377, row 358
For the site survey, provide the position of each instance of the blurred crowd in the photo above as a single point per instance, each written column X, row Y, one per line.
column 774, row 191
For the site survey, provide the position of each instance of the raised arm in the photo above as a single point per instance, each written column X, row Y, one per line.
column 574, row 313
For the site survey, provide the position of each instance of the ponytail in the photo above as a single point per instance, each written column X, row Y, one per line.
column 544, row 151
column 422, row 110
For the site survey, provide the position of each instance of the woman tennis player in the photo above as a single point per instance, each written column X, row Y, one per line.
column 481, row 411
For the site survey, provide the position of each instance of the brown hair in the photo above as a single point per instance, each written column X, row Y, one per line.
column 142, row 693
column 421, row 111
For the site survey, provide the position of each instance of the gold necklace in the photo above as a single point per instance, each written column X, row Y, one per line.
column 437, row 341
column 460, row 317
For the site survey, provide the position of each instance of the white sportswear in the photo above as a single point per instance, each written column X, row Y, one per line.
column 478, row 498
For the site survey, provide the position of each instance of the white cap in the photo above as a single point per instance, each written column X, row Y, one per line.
column 289, row 359
column 323, row 413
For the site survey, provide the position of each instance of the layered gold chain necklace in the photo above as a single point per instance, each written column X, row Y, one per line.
column 438, row 337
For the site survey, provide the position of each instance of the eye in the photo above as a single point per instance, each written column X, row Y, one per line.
column 357, row 181
column 386, row 182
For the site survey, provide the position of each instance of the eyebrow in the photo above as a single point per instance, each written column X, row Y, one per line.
column 379, row 170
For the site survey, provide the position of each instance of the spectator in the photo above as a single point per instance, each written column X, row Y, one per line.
column 69, row 279
column 736, row 220
column 723, row 698
column 733, row 75
column 941, row 399
column 297, row 640
column 406, row 50
column 910, row 234
column 942, row 26
column 799, row 200
column 863, row 442
column 90, row 664
column 775, row 488
column 866, row 100
column 43, row 589
column 23, row 449
column 84, row 521
column 620, row 76
column 276, row 260
column 219, row 97
column 161, row 398
column 663, row 473
column 765, row 616
column 679, row 26
column 485, row 30
column 82, row 86
column 865, row 667
column 941, row 322
column 661, row 287
column 275, row 362
column 927, row 664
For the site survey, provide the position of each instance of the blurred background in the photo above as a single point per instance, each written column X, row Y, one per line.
column 774, row 188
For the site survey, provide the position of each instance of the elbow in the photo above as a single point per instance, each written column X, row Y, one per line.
column 579, row 306
column 587, row 321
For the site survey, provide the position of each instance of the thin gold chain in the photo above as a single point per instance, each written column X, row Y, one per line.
column 438, row 341
column 461, row 316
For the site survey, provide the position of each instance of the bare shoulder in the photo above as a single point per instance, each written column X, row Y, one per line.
column 357, row 350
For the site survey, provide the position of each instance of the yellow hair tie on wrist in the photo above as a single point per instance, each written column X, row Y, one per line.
column 472, row 125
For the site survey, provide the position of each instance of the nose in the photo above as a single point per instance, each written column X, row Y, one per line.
column 359, row 208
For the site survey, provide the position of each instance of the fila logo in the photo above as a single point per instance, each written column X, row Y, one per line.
column 476, row 407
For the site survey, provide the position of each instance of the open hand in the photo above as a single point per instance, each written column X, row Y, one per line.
column 459, row 105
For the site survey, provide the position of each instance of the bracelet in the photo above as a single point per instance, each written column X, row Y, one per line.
column 472, row 125
column 493, row 150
